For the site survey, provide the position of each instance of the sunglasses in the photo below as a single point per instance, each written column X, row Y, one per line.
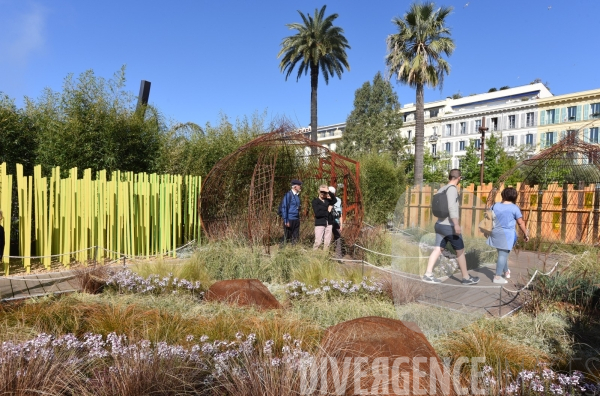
column 324, row 192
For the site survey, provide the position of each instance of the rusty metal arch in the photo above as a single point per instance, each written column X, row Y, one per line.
column 242, row 192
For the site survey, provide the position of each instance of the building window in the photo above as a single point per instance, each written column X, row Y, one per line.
column 434, row 149
column 434, row 112
column 495, row 124
column 530, row 120
column 477, row 144
column 448, row 147
column 549, row 139
column 529, row 139
column 434, row 131
column 551, row 116
column 461, row 145
column 477, row 125
column 463, row 128
column 322, row 134
column 510, row 141
column 448, row 129
column 409, row 135
column 512, row 122
column 571, row 113
column 331, row 132
column 595, row 110
column 594, row 135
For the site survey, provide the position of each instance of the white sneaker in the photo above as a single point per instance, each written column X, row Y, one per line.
column 500, row 280
column 507, row 274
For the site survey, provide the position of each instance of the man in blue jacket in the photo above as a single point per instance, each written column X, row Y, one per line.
column 290, row 211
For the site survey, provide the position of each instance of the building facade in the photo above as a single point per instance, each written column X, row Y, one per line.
column 451, row 125
column 527, row 118
column 577, row 113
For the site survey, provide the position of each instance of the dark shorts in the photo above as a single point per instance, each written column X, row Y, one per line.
column 444, row 234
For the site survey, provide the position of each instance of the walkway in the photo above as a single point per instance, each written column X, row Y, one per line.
column 37, row 285
column 487, row 297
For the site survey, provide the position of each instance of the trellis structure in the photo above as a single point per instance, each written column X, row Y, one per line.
column 242, row 192
column 559, row 193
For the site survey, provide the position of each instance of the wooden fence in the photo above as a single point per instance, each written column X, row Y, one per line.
column 130, row 214
column 557, row 213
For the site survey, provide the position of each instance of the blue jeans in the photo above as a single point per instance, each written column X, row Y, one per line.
column 502, row 263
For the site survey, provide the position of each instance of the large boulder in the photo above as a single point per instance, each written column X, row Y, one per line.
column 243, row 292
column 385, row 357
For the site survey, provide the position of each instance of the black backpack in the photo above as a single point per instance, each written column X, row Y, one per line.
column 439, row 204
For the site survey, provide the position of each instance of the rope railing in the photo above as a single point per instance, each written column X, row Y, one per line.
column 105, row 249
column 51, row 255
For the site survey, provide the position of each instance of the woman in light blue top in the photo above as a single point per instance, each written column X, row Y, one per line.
column 504, row 234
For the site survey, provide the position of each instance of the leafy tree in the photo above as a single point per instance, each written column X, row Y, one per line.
column 317, row 45
column 190, row 149
column 373, row 124
column 435, row 169
column 382, row 182
column 493, row 89
column 17, row 137
column 93, row 124
column 415, row 57
column 470, row 167
column 496, row 163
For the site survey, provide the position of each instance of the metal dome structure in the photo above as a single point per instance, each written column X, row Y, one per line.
column 242, row 192
column 559, row 192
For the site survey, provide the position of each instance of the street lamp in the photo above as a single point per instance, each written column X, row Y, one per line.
column 482, row 130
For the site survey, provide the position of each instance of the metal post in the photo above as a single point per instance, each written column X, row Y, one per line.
column 500, row 304
column 482, row 130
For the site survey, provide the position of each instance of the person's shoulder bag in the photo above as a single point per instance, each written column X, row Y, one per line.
column 486, row 225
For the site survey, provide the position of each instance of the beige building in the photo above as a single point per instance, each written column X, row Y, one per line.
column 577, row 112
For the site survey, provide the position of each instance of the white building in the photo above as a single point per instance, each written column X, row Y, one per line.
column 452, row 124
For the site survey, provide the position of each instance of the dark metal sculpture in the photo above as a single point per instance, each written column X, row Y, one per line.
column 242, row 192
column 559, row 191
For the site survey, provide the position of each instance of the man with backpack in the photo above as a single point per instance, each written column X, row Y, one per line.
column 445, row 207
column 289, row 210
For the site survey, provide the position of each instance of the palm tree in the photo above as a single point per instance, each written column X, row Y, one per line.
column 318, row 44
column 415, row 57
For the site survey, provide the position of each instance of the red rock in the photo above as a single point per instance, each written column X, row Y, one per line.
column 387, row 339
column 243, row 292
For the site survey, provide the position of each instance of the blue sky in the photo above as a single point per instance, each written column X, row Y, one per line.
column 210, row 57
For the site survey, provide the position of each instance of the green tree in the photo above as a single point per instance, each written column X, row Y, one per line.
column 415, row 57
column 435, row 169
column 374, row 123
column 469, row 167
column 317, row 45
column 17, row 137
column 382, row 182
column 93, row 124
column 496, row 162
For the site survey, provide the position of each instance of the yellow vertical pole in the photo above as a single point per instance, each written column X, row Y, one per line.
column 6, row 181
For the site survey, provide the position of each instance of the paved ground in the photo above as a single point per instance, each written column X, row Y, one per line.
column 19, row 287
column 486, row 296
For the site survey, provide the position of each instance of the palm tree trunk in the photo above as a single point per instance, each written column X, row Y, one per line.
column 419, row 136
column 314, row 81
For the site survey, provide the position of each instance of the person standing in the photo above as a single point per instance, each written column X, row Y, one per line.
column 322, row 209
column 504, row 235
column 336, row 228
column 447, row 230
column 290, row 211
